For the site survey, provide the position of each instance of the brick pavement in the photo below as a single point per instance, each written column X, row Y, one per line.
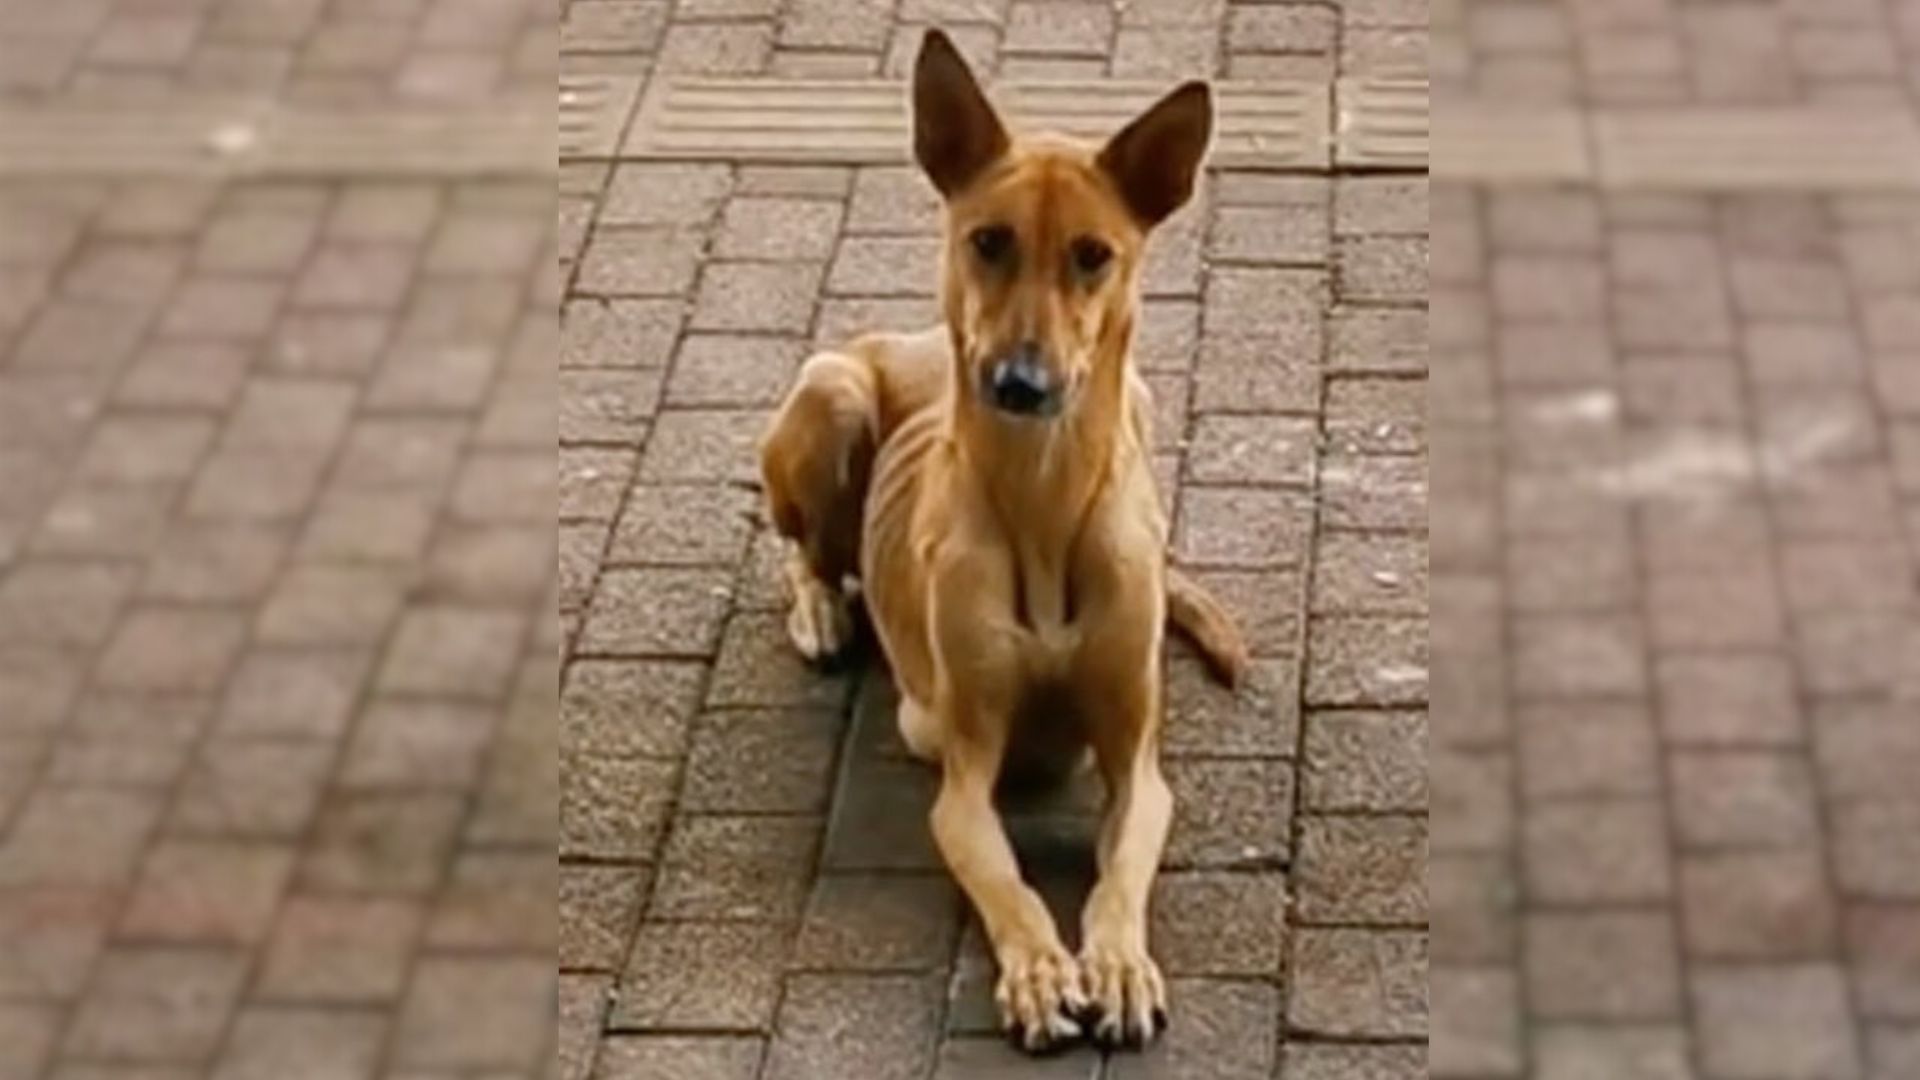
column 747, row 885
column 1676, row 564
column 278, row 663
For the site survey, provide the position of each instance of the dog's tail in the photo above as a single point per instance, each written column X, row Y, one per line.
column 1196, row 613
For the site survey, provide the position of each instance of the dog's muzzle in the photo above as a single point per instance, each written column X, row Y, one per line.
column 1021, row 385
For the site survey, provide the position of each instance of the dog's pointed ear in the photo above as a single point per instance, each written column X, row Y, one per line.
column 1154, row 159
column 956, row 133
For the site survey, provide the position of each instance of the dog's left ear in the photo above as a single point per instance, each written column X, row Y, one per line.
column 1154, row 159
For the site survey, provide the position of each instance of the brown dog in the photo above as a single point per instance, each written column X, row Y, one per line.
column 989, row 482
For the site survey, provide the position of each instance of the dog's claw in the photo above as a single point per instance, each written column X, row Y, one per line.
column 1041, row 999
column 1128, row 992
column 820, row 624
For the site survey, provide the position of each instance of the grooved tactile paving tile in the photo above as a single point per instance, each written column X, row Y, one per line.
column 593, row 113
column 1482, row 141
column 1264, row 124
column 1726, row 149
column 1382, row 123
column 253, row 140
column 1717, row 149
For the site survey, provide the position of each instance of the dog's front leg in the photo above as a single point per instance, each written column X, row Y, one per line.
column 1039, row 992
column 1122, row 978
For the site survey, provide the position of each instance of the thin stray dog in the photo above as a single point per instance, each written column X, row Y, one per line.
column 989, row 484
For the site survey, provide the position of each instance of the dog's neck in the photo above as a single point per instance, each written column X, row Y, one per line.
column 1042, row 477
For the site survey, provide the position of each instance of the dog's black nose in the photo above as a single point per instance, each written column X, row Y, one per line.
column 1022, row 385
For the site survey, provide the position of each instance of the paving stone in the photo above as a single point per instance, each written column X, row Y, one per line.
column 380, row 843
column 1211, row 531
column 208, row 892
column 882, row 1027
column 619, row 333
column 666, row 613
column 269, row 788
column 614, row 808
column 1476, row 1022
column 688, row 446
column 1058, row 29
column 1743, row 799
column 1334, row 1061
column 1873, row 844
column 733, row 371
column 31, row 1031
column 1229, row 814
column 1354, row 983
column 715, row 976
column 675, row 1057
column 778, row 229
column 769, row 297
column 1757, row 906
column 761, row 761
column 1587, row 749
column 736, row 868
column 599, row 908
column 475, row 1012
column 879, row 818
column 1365, row 761
column 452, row 652
column 884, row 266
column 1612, row 851
column 1576, row 1049
column 891, row 923
column 1881, row 946
column 267, row 1041
column 1251, row 450
column 1217, row 1028
column 641, row 261
column 1204, row 719
column 1361, row 871
column 172, row 650
column 1370, row 573
column 1614, row 966
column 1787, row 1017
column 758, row 666
column 157, row 1003
column 1364, row 660
column 625, row 709
column 1226, row 924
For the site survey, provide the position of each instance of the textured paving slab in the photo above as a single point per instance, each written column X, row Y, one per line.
column 1275, row 125
column 594, row 111
column 1381, row 122
column 1724, row 149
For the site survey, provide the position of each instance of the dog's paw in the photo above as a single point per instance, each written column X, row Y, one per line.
column 1129, row 996
column 1041, row 998
column 820, row 624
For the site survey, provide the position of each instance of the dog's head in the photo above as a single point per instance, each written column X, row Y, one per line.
column 1045, row 236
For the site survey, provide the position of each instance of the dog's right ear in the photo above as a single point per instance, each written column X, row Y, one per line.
column 956, row 133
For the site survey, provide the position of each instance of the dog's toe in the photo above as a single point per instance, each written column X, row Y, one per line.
column 1128, row 993
column 1041, row 999
column 820, row 625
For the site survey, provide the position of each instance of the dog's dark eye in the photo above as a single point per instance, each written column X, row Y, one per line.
column 993, row 243
column 1090, row 256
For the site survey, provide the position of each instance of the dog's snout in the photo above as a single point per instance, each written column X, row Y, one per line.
column 1021, row 383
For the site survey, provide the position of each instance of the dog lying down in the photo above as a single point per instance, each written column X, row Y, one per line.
column 989, row 484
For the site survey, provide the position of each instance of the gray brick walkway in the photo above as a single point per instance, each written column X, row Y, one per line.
column 748, row 889
column 277, row 655
column 1676, row 560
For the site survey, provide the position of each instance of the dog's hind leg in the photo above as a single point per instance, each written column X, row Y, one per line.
column 815, row 462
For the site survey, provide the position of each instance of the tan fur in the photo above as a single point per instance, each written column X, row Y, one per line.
column 1014, row 568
